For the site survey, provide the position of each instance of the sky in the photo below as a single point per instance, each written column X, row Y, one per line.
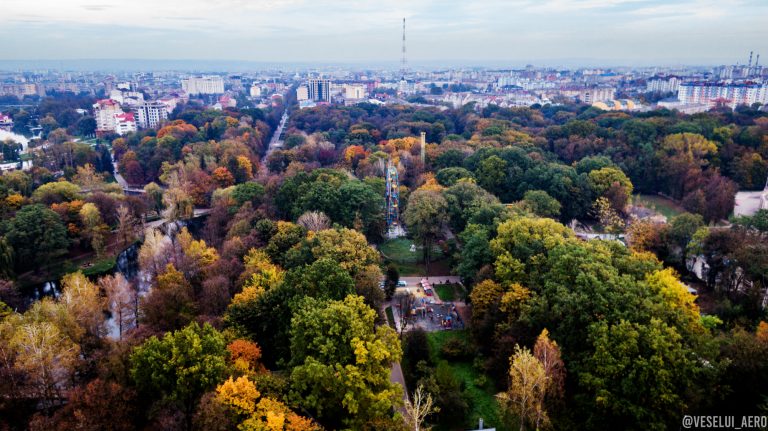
column 514, row 32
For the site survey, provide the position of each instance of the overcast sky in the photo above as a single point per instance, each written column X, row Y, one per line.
column 515, row 31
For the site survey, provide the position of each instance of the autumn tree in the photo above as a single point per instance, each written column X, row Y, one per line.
column 46, row 355
column 547, row 352
column 178, row 204
column 94, row 226
column 682, row 157
column 612, row 184
column 223, row 177
column 527, row 388
column 250, row 410
column 245, row 356
column 170, row 304
column 88, row 179
column 83, row 301
column 127, row 225
column 99, row 405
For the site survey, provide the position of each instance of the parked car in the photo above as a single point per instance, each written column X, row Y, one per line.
column 402, row 283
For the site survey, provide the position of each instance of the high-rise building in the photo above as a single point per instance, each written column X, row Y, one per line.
column 151, row 114
column 104, row 112
column 203, row 85
column 596, row 94
column 354, row 91
column 124, row 123
column 255, row 90
column 670, row 84
column 730, row 94
column 302, row 93
column 319, row 89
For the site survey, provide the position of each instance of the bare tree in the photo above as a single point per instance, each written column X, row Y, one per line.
column 154, row 252
column 123, row 300
column 314, row 221
column 418, row 408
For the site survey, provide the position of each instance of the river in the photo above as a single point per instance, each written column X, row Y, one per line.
column 126, row 263
column 20, row 139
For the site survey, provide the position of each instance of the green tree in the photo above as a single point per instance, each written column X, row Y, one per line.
column 180, row 367
column 475, row 253
column 154, row 194
column 324, row 278
column 426, row 217
column 348, row 247
column 682, row 228
column 542, row 204
column 248, row 192
column 342, row 362
column 450, row 176
column 37, row 236
column 637, row 375
column 492, row 174
column 470, row 203
column 55, row 192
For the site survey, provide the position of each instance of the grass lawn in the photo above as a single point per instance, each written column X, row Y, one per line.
column 409, row 263
column 479, row 391
column 450, row 292
column 100, row 267
column 660, row 204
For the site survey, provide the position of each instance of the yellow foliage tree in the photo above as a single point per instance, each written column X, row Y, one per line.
column 255, row 413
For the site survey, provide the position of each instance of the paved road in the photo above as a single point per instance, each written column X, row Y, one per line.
column 275, row 142
column 396, row 376
column 121, row 180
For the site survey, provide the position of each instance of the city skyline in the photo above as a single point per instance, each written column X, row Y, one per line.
column 551, row 32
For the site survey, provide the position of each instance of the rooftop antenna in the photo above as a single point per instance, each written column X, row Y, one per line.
column 757, row 60
column 750, row 59
column 403, row 61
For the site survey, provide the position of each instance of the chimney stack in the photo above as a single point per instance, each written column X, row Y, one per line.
column 423, row 146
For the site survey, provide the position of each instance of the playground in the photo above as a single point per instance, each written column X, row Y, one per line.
column 417, row 305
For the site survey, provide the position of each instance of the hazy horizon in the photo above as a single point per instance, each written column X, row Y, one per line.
column 498, row 32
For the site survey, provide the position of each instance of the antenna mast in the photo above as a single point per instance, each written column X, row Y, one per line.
column 403, row 61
